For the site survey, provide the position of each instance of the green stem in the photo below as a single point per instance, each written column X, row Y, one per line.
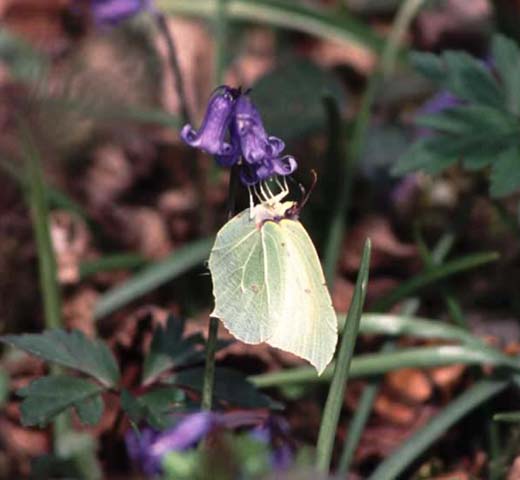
column 39, row 208
column 162, row 25
column 335, row 398
column 338, row 222
column 209, row 370
column 211, row 345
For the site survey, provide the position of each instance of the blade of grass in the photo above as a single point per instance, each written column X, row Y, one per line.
column 432, row 275
column 378, row 363
column 113, row 112
column 154, row 276
column 397, row 325
column 49, row 287
column 356, row 142
column 474, row 396
column 335, row 398
column 364, row 407
column 366, row 402
column 512, row 417
column 117, row 261
column 357, row 425
column 289, row 15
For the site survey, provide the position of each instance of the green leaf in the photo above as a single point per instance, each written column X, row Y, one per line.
column 506, row 56
column 286, row 14
column 421, row 157
column 154, row 276
column 431, row 275
column 48, row 396
column 510, row 417
column 336, row 396
column 230, row 387
column 470, row 80
column 290, row 98
column 378, row 363
column 90, row 410
column 505, row 175
column 72, row 350
column 153, row 406
column 169, row 349
column 117, row 261
column 429, row 65
column 478, row 394
column 24, row 62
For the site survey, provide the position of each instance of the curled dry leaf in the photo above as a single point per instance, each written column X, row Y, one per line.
column 411, row 384
column 78, row 311
column 394, row 411
column 342, row 294
column 514, row 471
column 386, row 247
column 70, row 241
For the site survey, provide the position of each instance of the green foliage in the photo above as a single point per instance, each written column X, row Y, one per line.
column 154, row 276
column 169, row 349
column 484, row 130
column 48, row 396
column 24, row 62
column 297, row 108
column 153, row 406
column 72, row 350
column 231, row 387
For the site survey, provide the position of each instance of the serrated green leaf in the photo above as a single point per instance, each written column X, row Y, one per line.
column 469, row 119
column 429, row 65
column 48, row 396
column 506, row 55
column 70, row 349
column 505, row 175
column 470, row 80
column 290, row 98
column 90, row 410
column 230, row 387
column 169, row 349
column 153, row 406
column 421, row 157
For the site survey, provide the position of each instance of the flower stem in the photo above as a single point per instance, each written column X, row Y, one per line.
column 211, row 344
column 162, row 25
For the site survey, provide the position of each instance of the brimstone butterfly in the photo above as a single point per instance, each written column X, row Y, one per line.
column 268, row 283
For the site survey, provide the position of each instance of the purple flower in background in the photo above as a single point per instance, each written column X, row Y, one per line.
column 112, row 12
column 233, row 131
column 275, row 432
column 148, row 447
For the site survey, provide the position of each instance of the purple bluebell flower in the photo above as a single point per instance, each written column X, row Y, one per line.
column 212, row 135
column 233, row 131
column 112, row 12
column 148, row 447
column 275, row 432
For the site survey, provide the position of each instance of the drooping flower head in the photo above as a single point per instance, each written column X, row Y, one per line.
column 112, row 12
column 233, row 131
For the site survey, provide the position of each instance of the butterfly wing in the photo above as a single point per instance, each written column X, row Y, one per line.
column 245, row 280
column 307, row 324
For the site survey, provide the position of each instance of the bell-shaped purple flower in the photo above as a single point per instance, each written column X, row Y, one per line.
column 112, row 12
column 212, row 135
column 255, row 143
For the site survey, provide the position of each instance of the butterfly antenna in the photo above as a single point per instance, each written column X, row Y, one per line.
column 307, row 193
